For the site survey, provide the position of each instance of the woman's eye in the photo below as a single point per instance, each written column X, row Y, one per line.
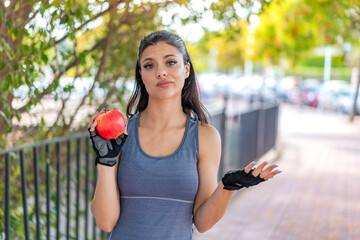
column 148, row 66
column 170, row 63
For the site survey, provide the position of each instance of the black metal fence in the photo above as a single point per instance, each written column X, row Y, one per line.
column 47, row 187
column 47, row 190
column 246, row 136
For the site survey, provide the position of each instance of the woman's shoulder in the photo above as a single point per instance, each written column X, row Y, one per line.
column 209, row 144
column 206, row 128
column 130, row 119
column 126, row 123
column 208, row 135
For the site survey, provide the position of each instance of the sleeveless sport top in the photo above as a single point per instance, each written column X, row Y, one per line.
column 157, row 193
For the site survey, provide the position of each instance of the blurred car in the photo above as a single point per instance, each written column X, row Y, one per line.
column 310, row 92
column 245, row 87
column 346, row 102
column 207, row 85
column 294, row 95
column 337, row 95
column 223, row 82
column 289, row 90
column 268, row 94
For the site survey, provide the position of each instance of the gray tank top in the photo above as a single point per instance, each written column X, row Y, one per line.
column 157, row 193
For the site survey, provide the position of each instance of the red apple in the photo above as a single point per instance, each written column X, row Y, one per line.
column 110, row 124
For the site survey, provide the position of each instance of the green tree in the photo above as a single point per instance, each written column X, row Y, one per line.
column 96, row 39
column 291, row 29
column 229, row 46
column 288, row 30
column 43, row 41
column 66, row 43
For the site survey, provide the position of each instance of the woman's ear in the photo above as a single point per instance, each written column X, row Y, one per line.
column 187, row 68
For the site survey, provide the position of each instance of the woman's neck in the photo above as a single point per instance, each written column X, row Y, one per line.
column 163, row 115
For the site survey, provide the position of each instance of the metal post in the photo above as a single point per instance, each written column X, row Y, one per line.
column 7, row 196
column 223, row 138
column 86, row 186
column 354, row 108
column 37, row 193
column 58, row 186
column 327, row 64
column 68, row 189
column 77, row 185
column 47, row 159
column 24, row 194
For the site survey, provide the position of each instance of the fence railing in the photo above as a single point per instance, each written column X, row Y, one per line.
column 246, row 136
column 47, row 187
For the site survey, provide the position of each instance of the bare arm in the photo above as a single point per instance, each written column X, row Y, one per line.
column 212, row 199
column 105, row 205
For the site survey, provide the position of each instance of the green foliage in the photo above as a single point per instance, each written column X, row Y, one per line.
column 337, row 73
column 292, row 29
column 43, row 42
column 318, row 61
column 37, row 55
column 17, row 230
column 286, row 36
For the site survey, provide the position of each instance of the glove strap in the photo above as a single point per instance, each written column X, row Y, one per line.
column 106, row 161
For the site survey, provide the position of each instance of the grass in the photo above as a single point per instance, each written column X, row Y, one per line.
column 337, row 73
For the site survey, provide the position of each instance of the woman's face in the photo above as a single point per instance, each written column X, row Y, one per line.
column 163, row 71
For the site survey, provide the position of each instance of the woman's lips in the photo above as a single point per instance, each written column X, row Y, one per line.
column 164, row 83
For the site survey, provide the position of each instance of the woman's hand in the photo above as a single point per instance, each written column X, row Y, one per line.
column 249, row 176
column 106, row 150
column 92, row 124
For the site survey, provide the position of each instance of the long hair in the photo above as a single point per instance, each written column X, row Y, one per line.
column 190, row 100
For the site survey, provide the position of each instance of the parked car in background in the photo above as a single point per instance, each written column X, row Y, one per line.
column 246, row 87
column 346, row 102
column 337, row 95
column 223, row 82
column 207, row 84
column 310, row 92
column 289, row 90
column 253, row 89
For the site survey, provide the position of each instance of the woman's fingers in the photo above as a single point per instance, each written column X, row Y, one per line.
column 93, row 118
column 268, row 170
column 266, row 173
column 258, row 170
column 93, row 125
column 271, row 174
column 249, row 167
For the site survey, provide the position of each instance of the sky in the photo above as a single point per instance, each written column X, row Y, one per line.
column 191, row 32
column 194, row 31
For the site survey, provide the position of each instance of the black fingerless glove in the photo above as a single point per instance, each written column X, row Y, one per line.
column 232, row 178
column 106, row 150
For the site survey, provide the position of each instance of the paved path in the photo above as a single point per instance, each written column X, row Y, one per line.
column 317, row 196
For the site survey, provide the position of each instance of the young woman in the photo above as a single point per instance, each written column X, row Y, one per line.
column 160, row 178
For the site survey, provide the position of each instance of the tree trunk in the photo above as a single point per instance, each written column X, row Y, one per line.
column 2, row 124
column 353, row 112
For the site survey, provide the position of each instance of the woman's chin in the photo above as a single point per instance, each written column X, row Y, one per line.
column 167, row 95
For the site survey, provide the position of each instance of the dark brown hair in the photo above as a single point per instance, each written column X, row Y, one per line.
column 190, row 100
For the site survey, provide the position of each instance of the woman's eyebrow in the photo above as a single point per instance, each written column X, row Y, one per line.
column 169, row 55
column 166, row 56
column 147, row 59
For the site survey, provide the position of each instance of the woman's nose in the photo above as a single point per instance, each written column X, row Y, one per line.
column 161, row 73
